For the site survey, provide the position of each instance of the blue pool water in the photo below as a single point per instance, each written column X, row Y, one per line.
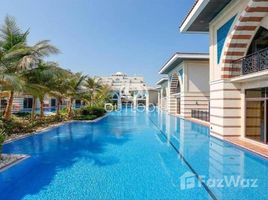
column 130, row 155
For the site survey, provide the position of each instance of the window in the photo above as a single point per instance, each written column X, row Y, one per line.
column 53, row 102
column 28, row 102
column 3, row 103
column 259, row 42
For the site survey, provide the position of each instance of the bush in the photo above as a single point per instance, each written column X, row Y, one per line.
column 89, row 113
column 22, row 114
column 21, row 125
column 17, row 126
column 92, row 111
column 2, row 139
column 86, row 117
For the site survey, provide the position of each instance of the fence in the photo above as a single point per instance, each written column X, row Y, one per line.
column 201, row 115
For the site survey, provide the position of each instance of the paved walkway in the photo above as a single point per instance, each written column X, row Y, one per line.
column 260, row 149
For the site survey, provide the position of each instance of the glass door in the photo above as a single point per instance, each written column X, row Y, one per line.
column 256, row 120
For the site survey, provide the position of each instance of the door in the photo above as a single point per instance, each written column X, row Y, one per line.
column 256, row 123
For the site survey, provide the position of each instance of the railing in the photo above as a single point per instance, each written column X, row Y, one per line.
column 201, row 115
column 255, row 62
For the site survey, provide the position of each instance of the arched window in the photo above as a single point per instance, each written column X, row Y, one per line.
column 175, row 84
column 259, row 42
column 115, row 96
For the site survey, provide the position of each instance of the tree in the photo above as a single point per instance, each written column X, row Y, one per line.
column 92, row 86
column 60, row 85
column 75, row 91
column 16, row 56
column 103, row 96
column 38, row 84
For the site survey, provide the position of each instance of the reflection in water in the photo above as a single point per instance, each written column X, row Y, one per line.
column 215, row 159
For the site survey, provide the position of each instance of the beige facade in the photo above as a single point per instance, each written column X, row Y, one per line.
column 130, row 90
column 187, row 85
column 238, row 31
column 162, row 93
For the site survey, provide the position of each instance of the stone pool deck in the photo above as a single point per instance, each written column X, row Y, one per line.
column 8, row 160
column 247, row 144
column 256, row 147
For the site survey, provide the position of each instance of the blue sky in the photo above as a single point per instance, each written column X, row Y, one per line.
column 99, row 37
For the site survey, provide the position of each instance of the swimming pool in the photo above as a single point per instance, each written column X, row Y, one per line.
column 130, row 155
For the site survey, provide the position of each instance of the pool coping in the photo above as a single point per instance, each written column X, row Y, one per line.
column 228, row 139
column 21, row 157
column 42, row 130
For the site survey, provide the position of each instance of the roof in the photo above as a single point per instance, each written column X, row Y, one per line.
column 119, row 74
column 162, row 80
column 178, row 57
column 201, row 14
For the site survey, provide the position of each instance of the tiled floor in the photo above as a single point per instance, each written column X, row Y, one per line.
column 251, row 146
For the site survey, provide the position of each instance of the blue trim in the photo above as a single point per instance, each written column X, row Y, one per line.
column 181, row 75
column 222, row 33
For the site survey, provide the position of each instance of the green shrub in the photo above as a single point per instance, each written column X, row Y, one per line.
column 17, row 126
column 21, row 125
column 92, row 111
column 86, row 117
column 22, row 114
column 88, row 113
column 2, row 139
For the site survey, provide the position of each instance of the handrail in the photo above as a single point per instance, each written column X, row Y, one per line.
column 251, row 63
column 201, row 115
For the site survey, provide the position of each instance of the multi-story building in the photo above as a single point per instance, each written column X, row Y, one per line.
column 186, row 90
column 238, row 31
column 130, row 90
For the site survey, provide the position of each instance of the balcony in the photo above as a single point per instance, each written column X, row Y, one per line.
column 252, row 63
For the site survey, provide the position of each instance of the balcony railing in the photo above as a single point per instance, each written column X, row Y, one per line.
column 201, row 115
column 252, row 63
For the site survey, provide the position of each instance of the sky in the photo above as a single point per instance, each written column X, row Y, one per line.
column 100, row 37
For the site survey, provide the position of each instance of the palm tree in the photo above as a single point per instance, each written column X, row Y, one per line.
column 92, row 86
column 75, row 90
column 38, row 84
column 16, row 56
column 103, row 96
column 60, row 85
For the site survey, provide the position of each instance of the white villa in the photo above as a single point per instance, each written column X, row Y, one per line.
column 185, row 90
column 130, row 90
column 24, row 103
column 238, row 31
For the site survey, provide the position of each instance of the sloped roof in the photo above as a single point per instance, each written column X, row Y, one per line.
column 178, row 57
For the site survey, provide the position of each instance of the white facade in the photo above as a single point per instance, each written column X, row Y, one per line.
column 186, row 88
column 129, row 89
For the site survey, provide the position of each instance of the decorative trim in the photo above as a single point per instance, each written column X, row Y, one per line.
column 224, row 126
